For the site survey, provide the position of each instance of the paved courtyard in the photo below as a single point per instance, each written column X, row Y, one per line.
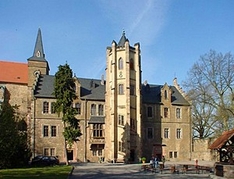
column 126, row 171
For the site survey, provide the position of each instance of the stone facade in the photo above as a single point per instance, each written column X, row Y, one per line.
column 17, row 95
column 201, row 151
column 120, row 118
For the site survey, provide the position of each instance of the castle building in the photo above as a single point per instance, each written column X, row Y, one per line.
column 121, row 118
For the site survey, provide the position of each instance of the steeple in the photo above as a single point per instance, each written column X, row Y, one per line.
column 38, row 53
column 122, row 40
column 37, row 63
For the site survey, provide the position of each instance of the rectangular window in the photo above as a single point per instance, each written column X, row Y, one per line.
column 149, row 111
column 99, row 152
column 45, row 131
column 165, row 112
column 97, row 131
column 100, row 110
column 93, row 109
column 94, row 152
column 170, row 154
column 178, row 113
column 52, row 108
column 78, row 108
column 46, row 151
column 175, row 154
column 121, row 89
column 52, row 151
column 132, row 124
column 121, row 147
column 121, row 120
column 53, row 131
column 132, row 90
column 45, row 107
column 178, row 133
column 166, row 133
column 150, row 133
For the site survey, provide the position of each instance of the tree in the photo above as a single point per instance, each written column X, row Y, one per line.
column 64, row 91
column 210, row 87
column 14, row 148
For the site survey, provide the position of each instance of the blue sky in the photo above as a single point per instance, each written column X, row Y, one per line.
column 173, row 34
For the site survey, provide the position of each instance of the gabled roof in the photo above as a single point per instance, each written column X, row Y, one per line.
column 221, row 141
column 13, row 72
column 152, row 94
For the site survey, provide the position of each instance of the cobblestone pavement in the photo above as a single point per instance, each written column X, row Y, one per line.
column 126, row 171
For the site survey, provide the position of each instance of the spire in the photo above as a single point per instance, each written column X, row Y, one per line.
column 122, row 40
column 38, row 53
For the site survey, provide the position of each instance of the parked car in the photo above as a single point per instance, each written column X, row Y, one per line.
column 44, row 161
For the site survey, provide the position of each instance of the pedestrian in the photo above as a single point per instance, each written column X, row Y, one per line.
column 156, row 162
column 163, row 161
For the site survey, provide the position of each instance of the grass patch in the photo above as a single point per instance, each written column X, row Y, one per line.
column 55, row 172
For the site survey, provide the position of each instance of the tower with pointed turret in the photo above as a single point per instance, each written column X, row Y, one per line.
column 123, row 101
column 37, row 63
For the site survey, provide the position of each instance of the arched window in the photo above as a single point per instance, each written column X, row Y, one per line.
column 120, row 64
column 121, row 89
column 165, row 94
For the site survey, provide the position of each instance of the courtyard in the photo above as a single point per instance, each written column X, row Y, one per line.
column 134, row 171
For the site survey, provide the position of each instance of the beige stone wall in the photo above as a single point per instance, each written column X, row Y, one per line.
column 18, row 96
column 35, row 66
column 201, row 152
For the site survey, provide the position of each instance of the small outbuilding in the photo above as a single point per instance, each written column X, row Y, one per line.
column 225, row 147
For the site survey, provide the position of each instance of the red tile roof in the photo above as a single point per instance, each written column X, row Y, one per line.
column 219, row 142
column 13, row 72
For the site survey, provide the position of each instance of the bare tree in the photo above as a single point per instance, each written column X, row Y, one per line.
column 210, row 87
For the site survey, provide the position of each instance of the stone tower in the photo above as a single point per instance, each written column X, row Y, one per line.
column 37, row 65
column 123, row 101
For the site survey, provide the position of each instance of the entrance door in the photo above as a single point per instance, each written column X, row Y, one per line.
column 70, row 154
column 132, row 155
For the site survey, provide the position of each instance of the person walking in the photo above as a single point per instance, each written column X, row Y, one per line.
column 163, row 161
column 156, row 162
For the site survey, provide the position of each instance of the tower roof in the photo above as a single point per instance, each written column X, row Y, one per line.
column 38, row 53
column 122, row 40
